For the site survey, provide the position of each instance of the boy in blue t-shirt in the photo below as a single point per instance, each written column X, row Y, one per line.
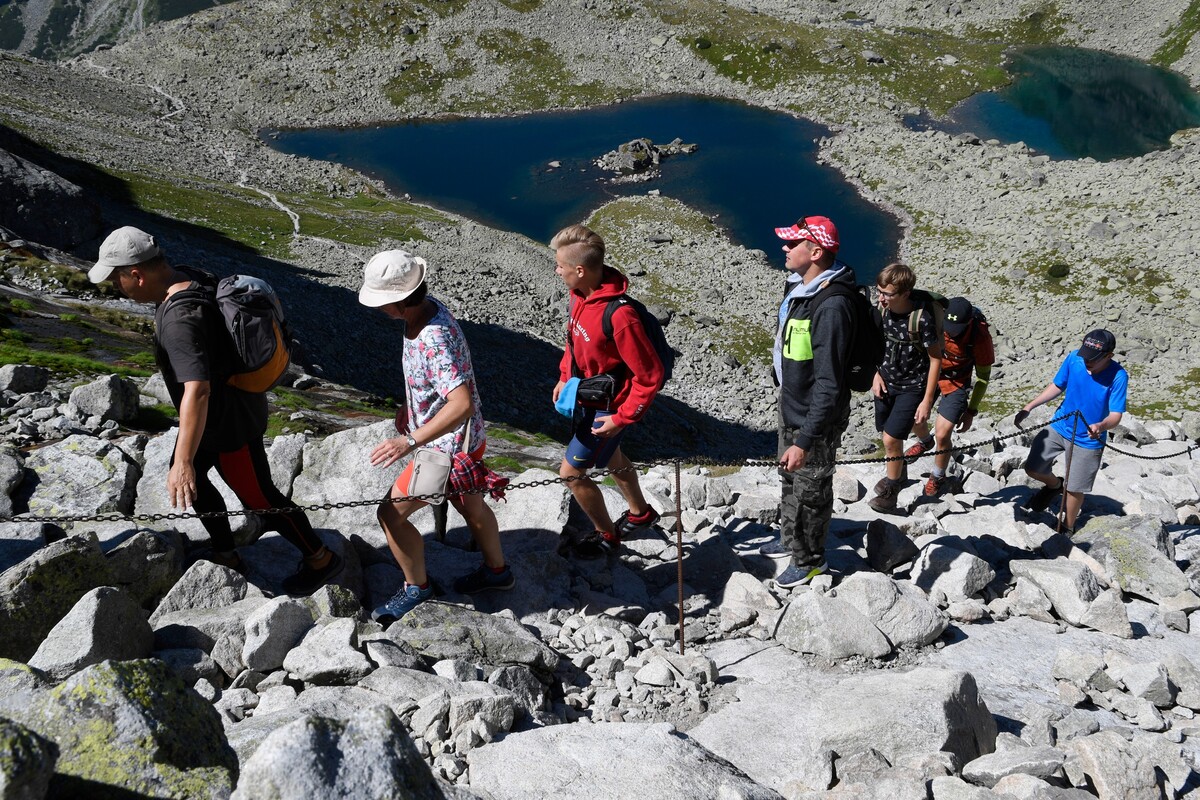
column 1095, row 386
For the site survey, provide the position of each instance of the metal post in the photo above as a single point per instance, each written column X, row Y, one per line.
column 679, row 548
column 1062, row 504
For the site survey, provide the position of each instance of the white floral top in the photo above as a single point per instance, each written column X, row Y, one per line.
column 436, row 363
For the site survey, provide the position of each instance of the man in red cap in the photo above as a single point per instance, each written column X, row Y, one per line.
column 812, row 346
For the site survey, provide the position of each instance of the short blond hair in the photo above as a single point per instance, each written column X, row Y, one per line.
column 588, row 246
column 898, row 276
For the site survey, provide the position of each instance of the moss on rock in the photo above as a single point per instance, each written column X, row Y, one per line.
column 134, row 726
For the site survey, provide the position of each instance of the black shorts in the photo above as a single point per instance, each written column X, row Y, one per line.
column 894, row 413
column 952, row 406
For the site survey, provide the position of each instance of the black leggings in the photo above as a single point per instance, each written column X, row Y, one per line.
column 249, row 476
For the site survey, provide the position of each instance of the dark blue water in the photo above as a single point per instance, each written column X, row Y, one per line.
column 754, row 170
column 1072, row 103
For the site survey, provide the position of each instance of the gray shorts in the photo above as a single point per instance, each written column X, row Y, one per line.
column 1048, row 445
column 952, row 406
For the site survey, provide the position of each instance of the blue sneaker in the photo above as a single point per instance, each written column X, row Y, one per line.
column 483, row 579
column 798, row 576
column 402, row 602
column 775, row 549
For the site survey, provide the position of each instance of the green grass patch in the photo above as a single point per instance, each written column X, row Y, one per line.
column 18, row 353
column 239, row 214
column 18, row 304
column 425, row 79
column 764, row 52
column 278, row 424
column 506, row 464
column 523, row 438
column 351, row 23
column 523, row 6
column 356, row 407
column 364, row 219
column 1178, row 36
column 295, row 401
column 538, row 77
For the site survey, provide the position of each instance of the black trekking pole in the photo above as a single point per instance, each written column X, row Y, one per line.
column 1062, row 504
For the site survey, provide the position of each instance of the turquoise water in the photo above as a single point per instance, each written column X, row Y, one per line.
column 1072, row 103
column 754, row 170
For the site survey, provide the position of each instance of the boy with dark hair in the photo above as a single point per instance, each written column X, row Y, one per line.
column 220, row 426
column 637, row 372
column 906, row 383
column 967, row 349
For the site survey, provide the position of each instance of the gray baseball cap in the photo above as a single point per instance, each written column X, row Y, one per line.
column 124, row 247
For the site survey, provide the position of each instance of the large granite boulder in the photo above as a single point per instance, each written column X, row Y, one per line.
column 440, row 631
column 131, row 728
column 38, row 592
column 651, row 762
column 367, row 756
column 338, row 468
column 902, row 715
column 109, row 397
column 23, row 378
column 901, row 611
column 829, row 627
column 12, row 472
column 105, row 624
column 80, row 475
column 147, row 565
column 152, row 497
column 43, row 206
column 1069, row 585
column 26, row 762
column 1133, row 554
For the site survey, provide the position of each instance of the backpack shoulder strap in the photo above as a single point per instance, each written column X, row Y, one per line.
column 610, row 308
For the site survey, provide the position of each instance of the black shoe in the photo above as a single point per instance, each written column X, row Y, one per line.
column 1040, row 500
column 596, row 544
column 307, row 579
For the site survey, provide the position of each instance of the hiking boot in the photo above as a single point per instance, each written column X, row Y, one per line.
column 883, row 482
column 917, row 450
column 798, row 576
column 884, row 500
column 308, row 579
column 402, row 602
column 1042, row 497
column 775, row 549
column 483, row 579
column 936, row 485
column 628, row 523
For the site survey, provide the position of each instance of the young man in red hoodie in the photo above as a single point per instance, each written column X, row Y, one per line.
column 630, row 358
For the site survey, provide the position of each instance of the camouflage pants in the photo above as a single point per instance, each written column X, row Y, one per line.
column 807, row 503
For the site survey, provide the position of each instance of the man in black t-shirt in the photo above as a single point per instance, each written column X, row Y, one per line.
column 219, row 426
column 906, row 384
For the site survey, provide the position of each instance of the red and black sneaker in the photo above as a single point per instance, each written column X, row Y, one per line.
column 917, row 450
column 628, row 523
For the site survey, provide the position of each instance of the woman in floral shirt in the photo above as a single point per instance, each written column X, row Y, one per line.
column 442, row 407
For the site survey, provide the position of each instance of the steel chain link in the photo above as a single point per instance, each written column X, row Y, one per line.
column 702, row 461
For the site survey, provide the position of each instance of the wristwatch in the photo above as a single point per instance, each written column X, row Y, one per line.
column 412, row 443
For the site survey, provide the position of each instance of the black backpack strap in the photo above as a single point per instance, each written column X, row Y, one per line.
column 610, row 308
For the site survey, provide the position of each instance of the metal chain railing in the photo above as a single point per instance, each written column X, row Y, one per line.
column 702, row 461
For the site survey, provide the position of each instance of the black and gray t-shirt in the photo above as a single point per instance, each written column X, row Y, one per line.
column 905, row 366
column 191, row 344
